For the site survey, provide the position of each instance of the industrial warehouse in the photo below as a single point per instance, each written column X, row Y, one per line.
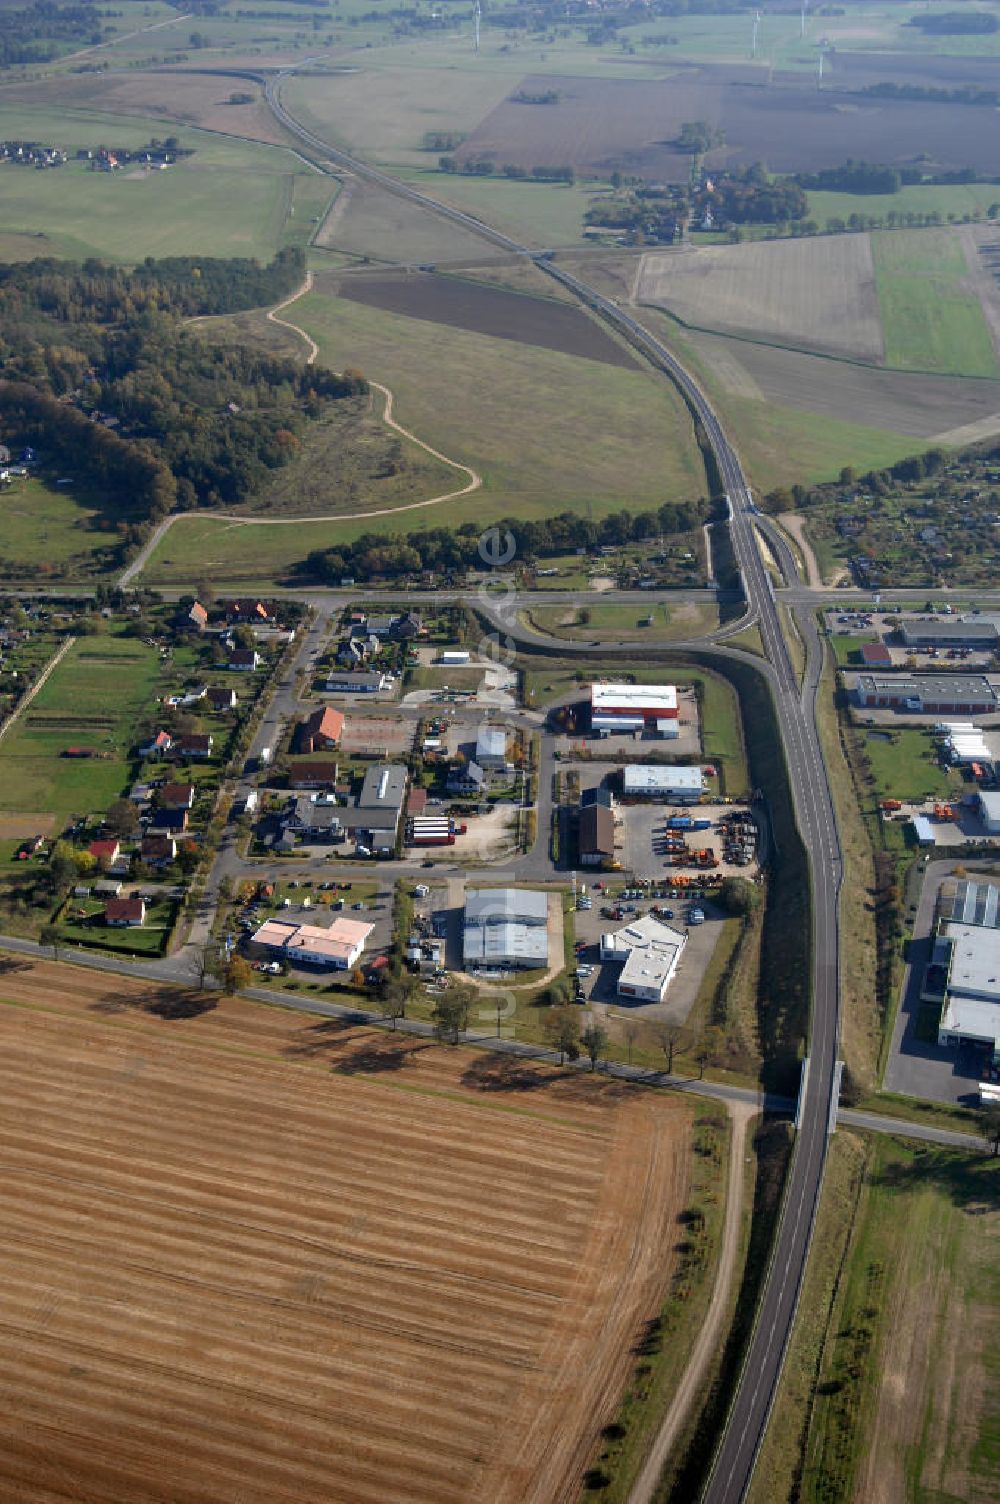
column 505, row 927
column 651, row 952
column 928, row 694
column 645, row 708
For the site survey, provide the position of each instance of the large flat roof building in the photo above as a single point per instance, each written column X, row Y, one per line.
column 968, row 902
column 928, row 694
column 971, row 1012
column 634, row 707
column 651, row 952
column 672, row 783
column 505, row 927
column 948, row 631
column 379, row 806
column 339, row 946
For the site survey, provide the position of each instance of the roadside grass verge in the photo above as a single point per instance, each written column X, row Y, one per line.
column 861, row 1025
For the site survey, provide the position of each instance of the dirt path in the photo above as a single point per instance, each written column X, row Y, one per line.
column 125, row 36
column 711, row 1334
column 53, row 663
column 473, row 484
column 797, row 527
column 272, row 315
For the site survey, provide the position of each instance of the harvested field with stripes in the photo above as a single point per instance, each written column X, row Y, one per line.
column 257, row 1258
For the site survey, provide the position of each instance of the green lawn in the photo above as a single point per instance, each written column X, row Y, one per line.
column 914, row 198
column 906, row 767
column 929, row 321
column 544, row 214
column 95, row 698
column 80, row 924
column 668, row 622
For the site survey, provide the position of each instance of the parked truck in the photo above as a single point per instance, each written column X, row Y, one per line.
column 681, row 822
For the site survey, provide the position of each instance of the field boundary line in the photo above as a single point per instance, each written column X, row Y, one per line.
column 39, row 683
column 709, row 1337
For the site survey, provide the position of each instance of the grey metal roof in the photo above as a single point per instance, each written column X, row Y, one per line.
column 383, row 787
column 486, row 907
column 506, row 944
column 973, row 903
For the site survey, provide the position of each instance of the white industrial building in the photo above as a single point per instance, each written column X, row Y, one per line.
column 989, row 813
column 971, row 1011
column 491, row 747
column 634, row 707
column 651, row 952
column 671, row 783
column 505, row 927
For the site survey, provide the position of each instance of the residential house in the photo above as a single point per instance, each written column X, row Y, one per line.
column 158, row 745
column 105, row 852
column 169, row 820
column 122, row 913
column 244, row 660
column 197, row 617
column 468, row 779
column 313, row 819
column 196, row 744
column 176, row 795
column 316, row 773
column 321, row 731
column 158, row 851
column 221, row 697
column 253, row 613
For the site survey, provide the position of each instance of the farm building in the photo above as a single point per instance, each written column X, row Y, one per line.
column 339, row 947
column 634, row 707
column 971, row 1012
column 505, row 927
column 491, row 747
column 875, row 655
column 948, row 632
column 320, row 731
column 596, row 836
column 674, row 785
column 651, row 952
column 928, row 694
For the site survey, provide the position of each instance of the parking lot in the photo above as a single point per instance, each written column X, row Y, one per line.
column 646, row 850
column 319, row 903
column 377, row 735
column 600, row 986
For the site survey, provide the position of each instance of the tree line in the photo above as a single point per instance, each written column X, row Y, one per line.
column 100, row 377
column 37, row 33
column 446, row 550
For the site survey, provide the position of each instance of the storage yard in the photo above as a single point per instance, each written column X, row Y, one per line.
column 367, row 1287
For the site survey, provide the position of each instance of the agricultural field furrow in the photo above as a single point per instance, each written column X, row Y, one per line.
column 288, row 1283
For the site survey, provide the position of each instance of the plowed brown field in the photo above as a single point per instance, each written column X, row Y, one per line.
column 254, row 1258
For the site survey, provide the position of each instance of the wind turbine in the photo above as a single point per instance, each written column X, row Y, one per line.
column 802, row 18
column 477, row 13
column 756, row 29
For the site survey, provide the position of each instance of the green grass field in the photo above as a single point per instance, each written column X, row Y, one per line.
column 232, row 198
column 48, row 529
column 906, row 767
column 930, row 323
column 544, row 214
column 913, row 198
column 95, row 698
column 669, row 623
column 906, row 1391
column 548, row 432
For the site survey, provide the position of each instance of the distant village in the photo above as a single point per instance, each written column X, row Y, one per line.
column 156, row 154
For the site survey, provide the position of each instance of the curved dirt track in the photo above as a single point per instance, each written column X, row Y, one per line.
column 474, row 482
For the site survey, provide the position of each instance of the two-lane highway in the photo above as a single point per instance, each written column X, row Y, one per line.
column 795, row 706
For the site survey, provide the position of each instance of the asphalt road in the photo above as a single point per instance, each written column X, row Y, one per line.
column 741, row 1439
